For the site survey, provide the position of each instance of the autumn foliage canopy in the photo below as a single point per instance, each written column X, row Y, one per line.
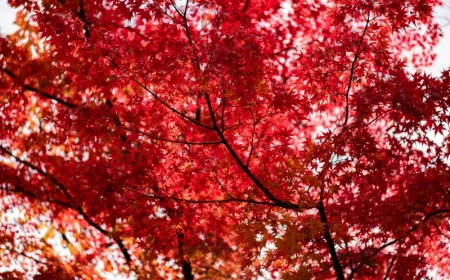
column 223, row 139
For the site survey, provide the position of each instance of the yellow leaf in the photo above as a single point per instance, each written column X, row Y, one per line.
column 41, row 226
column 50, row 233
column 73, row 250
column 229, row 93
column 261, row 86
column 108, row 265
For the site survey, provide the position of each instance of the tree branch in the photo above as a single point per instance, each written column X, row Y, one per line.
column 78, row 208
column 242, row 165
column 26, row 256
column 202, row 201
column 186, row 267
column 330, row 243
column 352, row 70
column 246, row 6
column 252, row 141
column 40, row 92
column 31, row 195
column 384, row 246
column 391, row 265
column 170, row 107
column 188, row 34
column 159, row 99
column 170, row 140
column 82, row 16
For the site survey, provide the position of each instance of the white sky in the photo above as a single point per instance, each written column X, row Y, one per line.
column 6, row 18
column 443, row 49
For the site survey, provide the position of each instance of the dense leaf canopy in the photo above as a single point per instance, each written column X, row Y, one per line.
column 223, row 139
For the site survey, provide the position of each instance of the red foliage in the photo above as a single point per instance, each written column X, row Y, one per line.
column 221, row 139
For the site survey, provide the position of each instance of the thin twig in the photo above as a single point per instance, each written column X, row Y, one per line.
column 352, row 70
column 170, row 140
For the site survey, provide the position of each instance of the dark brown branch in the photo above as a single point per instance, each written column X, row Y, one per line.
column 188, row 34
column 159, row 99
column 391, row 265
column 166, row 13
column 186, row 267
column 187, row 270
column 20, row 190
column 252, row 141
column 170, row 107
column 246, row 6
column 222, row 116
column 441, row 233
column 203, row 201
column 330, row 243
column 26, row 256
column 78, row 208
column 40, row 92
column 350, row 261
column 82, row 16
column 224, row 98
column 352, row 70
column 324, row 270
column 384, row 246
column 177, row 9
column 242, row 165
column 231, row 127
column 170, row 140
